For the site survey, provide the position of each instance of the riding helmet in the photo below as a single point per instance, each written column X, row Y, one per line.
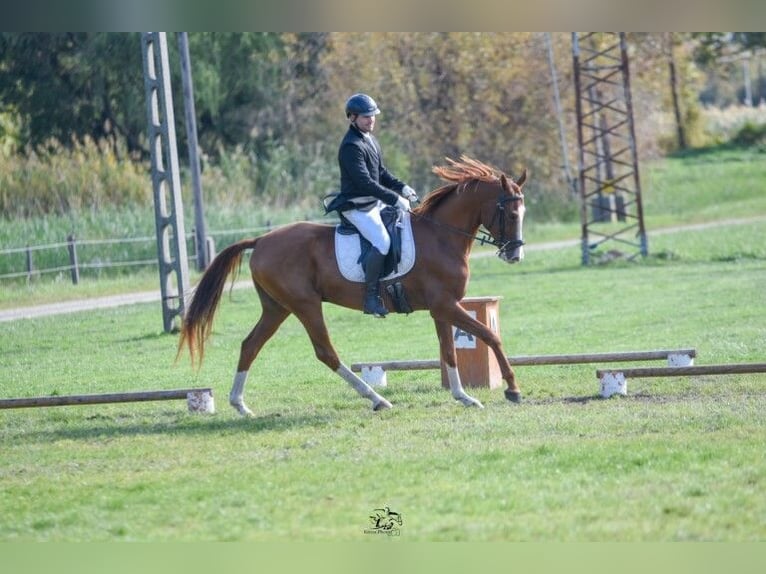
column 362, row 105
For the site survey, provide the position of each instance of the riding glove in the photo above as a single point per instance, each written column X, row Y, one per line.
column 402, row 204
column 410, row 194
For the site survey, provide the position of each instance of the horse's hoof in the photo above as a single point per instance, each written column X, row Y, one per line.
column 513, row 396
column 243, row 410
column 381, row 405
column 471, row 402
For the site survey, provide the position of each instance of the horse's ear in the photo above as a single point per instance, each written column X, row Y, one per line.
column 504, row 183
column 522, row 178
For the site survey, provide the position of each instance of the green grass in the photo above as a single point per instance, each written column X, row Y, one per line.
column 676, row 459
column 704, row 185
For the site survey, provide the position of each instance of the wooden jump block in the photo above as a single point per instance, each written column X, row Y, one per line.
column 198, row 400
column 614, row 381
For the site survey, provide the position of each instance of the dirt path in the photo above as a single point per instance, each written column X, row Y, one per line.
column 152, row 296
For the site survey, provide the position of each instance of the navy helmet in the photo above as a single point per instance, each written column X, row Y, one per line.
column 362, row 105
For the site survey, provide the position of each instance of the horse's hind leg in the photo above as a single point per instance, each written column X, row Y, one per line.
column 272, row 316
column 313, row 321
column 449, row 358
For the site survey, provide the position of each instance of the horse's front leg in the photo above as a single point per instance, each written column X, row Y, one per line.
column 457, row 316
column 313, row 321
column 449, row 359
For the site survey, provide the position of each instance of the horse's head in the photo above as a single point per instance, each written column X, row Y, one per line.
column 504, row 219
column 497, row 204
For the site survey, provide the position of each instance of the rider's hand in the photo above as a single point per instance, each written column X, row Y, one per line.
column 402, row 204
column 410, row 194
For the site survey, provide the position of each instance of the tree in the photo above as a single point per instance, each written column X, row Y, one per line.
column 66, row 85
column 719, row 50
column 714, row 45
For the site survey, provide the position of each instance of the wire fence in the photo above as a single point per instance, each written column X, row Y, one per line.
column 98, row 255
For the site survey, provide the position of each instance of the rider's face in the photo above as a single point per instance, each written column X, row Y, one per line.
column 365, row 123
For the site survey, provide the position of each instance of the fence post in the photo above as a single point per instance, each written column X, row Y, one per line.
column 210, row 248
column 29, row 264
column 193, row 234
column 73, row 258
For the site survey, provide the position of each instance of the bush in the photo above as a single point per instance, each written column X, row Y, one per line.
column 89, row 176
column 723, row 125
column 751, row 134
column 288, row 177
column 54, row 179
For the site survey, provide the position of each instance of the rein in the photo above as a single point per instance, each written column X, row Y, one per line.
column 483, row 236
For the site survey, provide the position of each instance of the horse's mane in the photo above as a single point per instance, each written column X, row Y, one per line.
column 459, row 173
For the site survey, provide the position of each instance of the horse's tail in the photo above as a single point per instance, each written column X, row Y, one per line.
column 198, row 316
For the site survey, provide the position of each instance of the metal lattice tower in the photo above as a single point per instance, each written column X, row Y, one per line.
column 610, row 188
column 166, row 180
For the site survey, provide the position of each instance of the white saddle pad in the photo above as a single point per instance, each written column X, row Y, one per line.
column 348, row 250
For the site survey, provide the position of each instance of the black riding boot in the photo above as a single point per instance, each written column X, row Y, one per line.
column 373, row 304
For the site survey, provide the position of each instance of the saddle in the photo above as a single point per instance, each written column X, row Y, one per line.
column 351, row 249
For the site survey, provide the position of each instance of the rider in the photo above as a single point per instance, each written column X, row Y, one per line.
column 366, row 186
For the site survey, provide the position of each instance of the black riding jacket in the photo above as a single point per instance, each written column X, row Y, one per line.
column 363, row 177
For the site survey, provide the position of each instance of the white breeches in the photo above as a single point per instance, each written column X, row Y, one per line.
column 370, row 225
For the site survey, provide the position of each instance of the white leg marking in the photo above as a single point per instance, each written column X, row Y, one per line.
column 457, row 389
column 237, row 393
column 362, row 388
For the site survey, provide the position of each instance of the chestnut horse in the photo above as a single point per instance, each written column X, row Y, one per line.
column 294, row 271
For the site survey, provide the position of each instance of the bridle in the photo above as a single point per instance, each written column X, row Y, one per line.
column 502, row 244
column 483, row 236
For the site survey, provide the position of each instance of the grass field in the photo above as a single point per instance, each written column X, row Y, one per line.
column 677, row 459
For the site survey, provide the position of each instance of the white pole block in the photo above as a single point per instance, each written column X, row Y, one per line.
column 200, row 402
column 374, row 376
column 680, row 360
column 613, row 383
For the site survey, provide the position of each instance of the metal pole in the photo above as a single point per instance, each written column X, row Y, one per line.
column 581, row 157
column 166, row 181
column 597, row 126
column 560, row 116
column 644, row 244
column 191, row 136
